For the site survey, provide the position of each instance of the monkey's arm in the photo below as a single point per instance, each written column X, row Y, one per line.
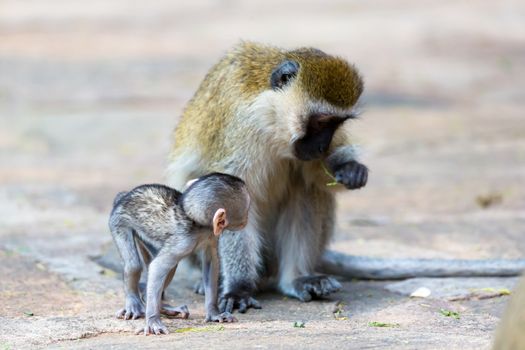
column 382, row 269
column 210, row 279
column 343, row 164
column 240, row 254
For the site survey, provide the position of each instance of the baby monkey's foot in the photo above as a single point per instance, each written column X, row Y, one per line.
column 169, row 310
column 224, row 317
column 134, row 309
column 153, row 326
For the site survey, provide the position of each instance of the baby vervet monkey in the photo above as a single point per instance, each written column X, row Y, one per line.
column 165, row 226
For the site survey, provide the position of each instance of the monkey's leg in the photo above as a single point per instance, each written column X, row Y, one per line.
column 303, row 230
column 167, row 309
column 240, row 254
column 210, row 279
column 159, row 269
column 123, row 237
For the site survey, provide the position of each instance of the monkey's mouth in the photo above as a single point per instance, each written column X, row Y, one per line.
column 318, row 137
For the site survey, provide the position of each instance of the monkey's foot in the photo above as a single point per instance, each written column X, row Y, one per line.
column 306, row 288
column 224, row 317
column 134, row 309
column 353, row 175
column 169, row 310
column 153, row 326
column 232, row 301
column 199, row 288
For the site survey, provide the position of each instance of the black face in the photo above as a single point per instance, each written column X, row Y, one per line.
column 318, row 137
column 283, row 74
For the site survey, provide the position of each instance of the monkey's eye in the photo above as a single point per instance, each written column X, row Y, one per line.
column 284, row 72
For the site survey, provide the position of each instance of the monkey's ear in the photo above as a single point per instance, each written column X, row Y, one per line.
column 219, row 221
column 191, row 182
column 284, row 72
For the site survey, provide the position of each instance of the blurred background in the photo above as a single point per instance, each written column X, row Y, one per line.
column 90, row 92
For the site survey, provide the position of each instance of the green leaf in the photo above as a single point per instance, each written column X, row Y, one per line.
column 298, row 324
column 449, row 313
column 334, row 181
column 382, row 324
column 200, row 329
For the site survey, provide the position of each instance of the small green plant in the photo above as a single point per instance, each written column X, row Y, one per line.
column 298, row 324
column 449, row 313
column 334, row 182
column 382, row 324
column 200, row 329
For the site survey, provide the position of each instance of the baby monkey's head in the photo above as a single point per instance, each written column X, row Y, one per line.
column 218, row 200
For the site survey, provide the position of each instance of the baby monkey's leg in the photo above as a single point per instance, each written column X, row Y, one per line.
column 210, row 279
column 159, row 269
column 167, row 309
column 123, row 237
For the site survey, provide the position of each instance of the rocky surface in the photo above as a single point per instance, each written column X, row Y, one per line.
column 90, row 92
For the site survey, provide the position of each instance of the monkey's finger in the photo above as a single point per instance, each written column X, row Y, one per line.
column 315, row 288
column 254, row 303
column 335, row 284
column 243, row 306
column 222, row 305
column 127, row 316
column 229, row 305
column 366, row 178
column 305, row 296
column 362, row 177
column 326, row 287
column 120, row 313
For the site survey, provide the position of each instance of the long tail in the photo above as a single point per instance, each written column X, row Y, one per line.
column 384, row 269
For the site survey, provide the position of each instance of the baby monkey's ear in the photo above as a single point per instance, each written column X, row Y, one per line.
column 190, row 182
column 219, row 221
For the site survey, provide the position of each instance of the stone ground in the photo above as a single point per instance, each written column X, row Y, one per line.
column 90, row 91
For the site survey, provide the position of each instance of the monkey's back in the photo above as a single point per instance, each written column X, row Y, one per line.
column 153, row 210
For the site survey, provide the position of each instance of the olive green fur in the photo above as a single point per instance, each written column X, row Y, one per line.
column 244, row 73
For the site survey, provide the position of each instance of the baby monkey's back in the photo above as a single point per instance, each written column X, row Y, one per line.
column 153, row 208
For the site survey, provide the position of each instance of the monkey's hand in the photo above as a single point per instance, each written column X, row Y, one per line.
column 217, row 317
column 243, row 302
column 309, row 287
column 352, row 175
column 153, row 326
column 169, row 310
column 134, row 309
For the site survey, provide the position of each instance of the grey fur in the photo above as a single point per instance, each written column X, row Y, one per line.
column 383, row 269
column 161, row 226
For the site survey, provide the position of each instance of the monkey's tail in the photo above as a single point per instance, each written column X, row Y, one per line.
column 385, row 269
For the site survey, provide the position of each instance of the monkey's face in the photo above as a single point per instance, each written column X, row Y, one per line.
column 314, row 95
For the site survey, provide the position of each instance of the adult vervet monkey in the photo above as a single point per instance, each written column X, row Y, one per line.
column 275, row 119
